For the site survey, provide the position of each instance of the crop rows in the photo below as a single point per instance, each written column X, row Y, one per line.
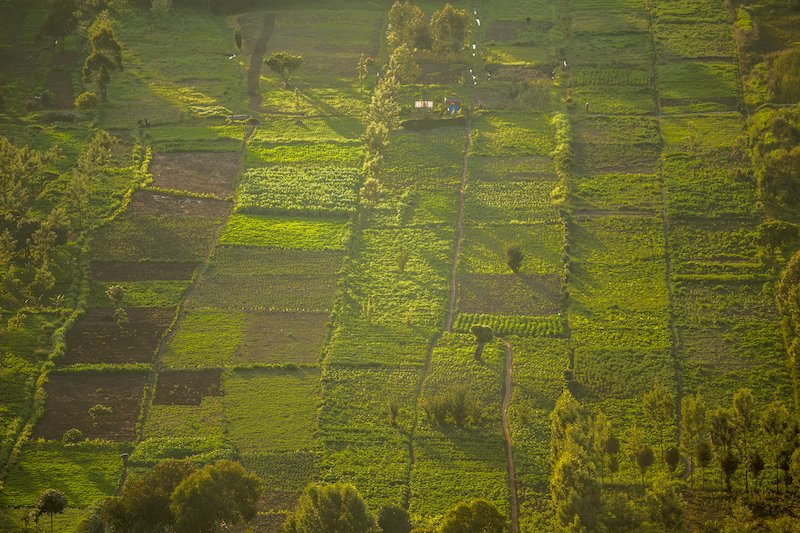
column 520, row 326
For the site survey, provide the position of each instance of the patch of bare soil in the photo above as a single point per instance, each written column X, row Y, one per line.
column 96, row 336
column 144, row 202
column 71, row 397
column 202, row 172
column 59, row 85
column 141, row 270
column 282, row 338
column 510, row 294
column 187, row 387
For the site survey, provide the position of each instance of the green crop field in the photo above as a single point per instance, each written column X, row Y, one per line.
column 303, row 267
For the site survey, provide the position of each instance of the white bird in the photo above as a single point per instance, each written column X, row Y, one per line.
column 474, row 46
column 565, row 63
column 232, row 56
column 478, row 21
column 475, row 12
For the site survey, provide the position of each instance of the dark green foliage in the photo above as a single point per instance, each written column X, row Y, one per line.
column 61, row 18
column 474, row 515
column 644, row 460
column 783, row 78
column 144, row 503
column 663, row 504
column 450, row 29
column 729, row 462
column 222, row 492
column 393, row 519
column 73, row 436
column 673, row 458
column 105, row 55
column 514, row 257
column 283, row 64
column 483, row 334
column 336, row 508
column 456, row 405
column 51, row 502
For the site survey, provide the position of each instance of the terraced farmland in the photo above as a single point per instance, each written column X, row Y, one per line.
column 546, row 301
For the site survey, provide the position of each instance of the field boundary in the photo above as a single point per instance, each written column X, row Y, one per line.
column 508, row 391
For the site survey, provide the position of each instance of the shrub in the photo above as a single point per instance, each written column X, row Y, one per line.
column 72, row 436
column 86, row 100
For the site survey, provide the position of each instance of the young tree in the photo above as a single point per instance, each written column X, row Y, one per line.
column 659, row 407
column 483, row 334
column 566, row 413
column 729, row 462
column 371, row 189
column 703, row 456
column 693, row 426
column 744, row 410
column 283, row 64
column 645, row 459
column 51, row 502
column 383, row 108
column 61, row 18
column 376, row 138
column 514, row 257
column 473, row 515
column 105, row 56
column 222, row 492
column 774, row 424
column 722, row 435
column 450, row 29
column 334, row 508
column 364, row 63
column 403, row 64
column 673, row 458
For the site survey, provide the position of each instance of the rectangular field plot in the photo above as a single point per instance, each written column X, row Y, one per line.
column 715, row 248
column 510, row 294
column 588, row 22
column 700, row 134
column 538, row 369
column 509, row 202
column 356, row 399
column 704, row 186
column 375, row 461
column 452, row 463
column 613, row 99
column 305, row 153
column 691, row 86
column 520, row 326
column 617, row 130
column 360, row 342
column 202, row 172
column 637, row 192
column 317, row 129
column 272, row 410
column 609, row 49
column 282, row 338
column 721, row 300
column 718, row 360
column 141, row 270
column 96, row 337
column 521, row 168
column 265, row 278
column 512, row 134
column 311, row 190
column 155, row 238
column 622, row 372
column 400, row 275
column 204, row 339
column 695, row 40
column 211, row 138
column 484, row 248
column 187, row 387
column 690, row 11
column 152, row 203
column 617, row 158
column 84, row 473
column 72, row 396
column 425, row 159
column 284, row 232
column 202, row 421
column 283, row 472
column 152, row 293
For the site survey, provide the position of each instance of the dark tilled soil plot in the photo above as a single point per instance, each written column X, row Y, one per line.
column 203, row 172
column 282, row 338
column 64, row 59
column 141, row 270
column 510, row 294
column 442, row 72
column 59, row 84
column 71, row 396
column 154, row 203
column 97, row 338
column 187, row 387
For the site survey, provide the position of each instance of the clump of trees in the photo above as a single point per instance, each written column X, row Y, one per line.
column 447, row 32
column 456, row 406
column 335, row 507
column 177, row 496
column 105, row 56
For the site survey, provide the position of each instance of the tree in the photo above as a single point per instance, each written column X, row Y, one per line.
column 673, row 458
column 703, row 456
column 473, row 515
column 105, row 56
column 222, row 492
column 144, row 504
column 406, row 25
column 393, row 519
column 483, row 334
column 693, row 425
column 722, row 434
column 729, row 462
column 403, row 64
column 514, row 257
column 774, row 424
column 645, row 459
column 744, row 410
column 51, row 502
column 663, row 505
column 659, row 407
column 61, row 18
column 336, row 508
column 783, row 77
column 383, row 108
column 364, row 63
column 371, row 190
column 375, row 138
column 781, row 179
column 566, row 413
column 574, row 492
column 283, row 64
column 450, row 29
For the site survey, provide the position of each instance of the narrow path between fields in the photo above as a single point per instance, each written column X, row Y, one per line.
column 257, row 59
column 675, row 339
column 451, row 309
column 512, row 476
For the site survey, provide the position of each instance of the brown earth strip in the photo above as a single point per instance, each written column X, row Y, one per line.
column 70, row 397
column 155, row 203
column 201, row 172
column 282, row 338
column 141, row 270
column 187, row 387
column 97, row 338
